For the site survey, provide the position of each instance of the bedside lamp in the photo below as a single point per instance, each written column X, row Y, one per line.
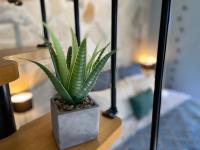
column 22, row 102
column 146, row 59
column 147, row 62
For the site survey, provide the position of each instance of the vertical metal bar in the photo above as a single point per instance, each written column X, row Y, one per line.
column 162, row 42
column 113, row 57
column 113, row 109
column 77, row 20
column 7, row 122
column 44, row 20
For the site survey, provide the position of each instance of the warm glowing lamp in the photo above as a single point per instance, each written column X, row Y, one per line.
column 145, row 59
column 22, row 102
column 147, row 62
column 145, row 56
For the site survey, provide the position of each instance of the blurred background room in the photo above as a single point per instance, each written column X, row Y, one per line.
column 138, row 30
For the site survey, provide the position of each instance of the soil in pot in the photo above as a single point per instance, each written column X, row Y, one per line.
column 63, row 106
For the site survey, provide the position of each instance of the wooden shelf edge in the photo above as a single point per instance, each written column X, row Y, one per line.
column 8, row 62
column 113, row 137
column 38, row 135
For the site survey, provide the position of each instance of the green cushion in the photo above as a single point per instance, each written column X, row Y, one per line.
column 142, row 103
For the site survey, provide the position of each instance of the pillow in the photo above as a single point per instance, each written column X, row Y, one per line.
column 133, row 69
column 142, row 103
column 104, row 79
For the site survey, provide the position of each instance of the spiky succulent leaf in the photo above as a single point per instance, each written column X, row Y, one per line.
column 91, row 80
column 54, row 60
column 62, row 66
column 69, row 57
column 56, row 83
column 78, row 70
column 75, row 48
column 100, row 55
column 92, row 59
column 96, row 49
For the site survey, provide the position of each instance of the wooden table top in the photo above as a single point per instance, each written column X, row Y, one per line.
column 8, row 61
column 37, row 135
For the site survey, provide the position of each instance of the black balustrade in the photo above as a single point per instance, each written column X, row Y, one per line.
column 162, row 42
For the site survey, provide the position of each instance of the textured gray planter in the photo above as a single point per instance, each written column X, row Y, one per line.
column 74, row 127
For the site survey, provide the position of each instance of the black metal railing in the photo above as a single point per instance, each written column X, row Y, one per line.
column 162, row 42
column 111, row 112
column 77, row 21
column 44, row 20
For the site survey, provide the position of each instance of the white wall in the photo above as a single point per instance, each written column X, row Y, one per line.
column 154, row 23
column 184, row 47
column 27, row 20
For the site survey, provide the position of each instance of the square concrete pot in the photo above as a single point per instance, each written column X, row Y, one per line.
column 74, row 127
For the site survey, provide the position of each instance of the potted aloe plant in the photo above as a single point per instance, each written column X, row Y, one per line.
column 75, row 115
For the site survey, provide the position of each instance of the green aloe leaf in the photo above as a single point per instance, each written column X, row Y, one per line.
column 62, row 66
column 78, row 70
column 75, row 48
column 57, row 84
column 54, row 60
column 92, row 59
column 69, row 57
column 100, row 55
column 91, row 80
